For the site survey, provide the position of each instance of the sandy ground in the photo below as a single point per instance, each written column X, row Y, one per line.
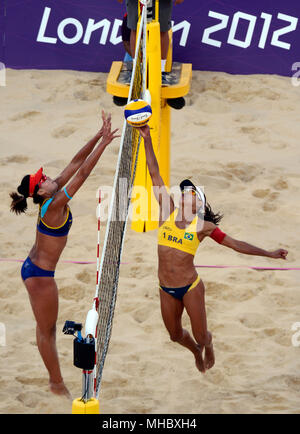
column 238, row 137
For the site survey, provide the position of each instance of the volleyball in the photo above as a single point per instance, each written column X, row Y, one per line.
column 137, row 113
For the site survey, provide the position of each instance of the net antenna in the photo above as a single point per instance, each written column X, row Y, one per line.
column 100, row 317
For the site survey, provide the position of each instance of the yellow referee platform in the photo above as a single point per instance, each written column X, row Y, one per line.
column 181, row 74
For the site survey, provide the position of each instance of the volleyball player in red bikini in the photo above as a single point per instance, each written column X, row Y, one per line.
column 54, row 223
column 180, row 232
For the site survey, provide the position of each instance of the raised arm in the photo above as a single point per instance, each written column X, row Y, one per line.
column 215, row 233
column 78, row 159
column 83, row 173
column 159, row 188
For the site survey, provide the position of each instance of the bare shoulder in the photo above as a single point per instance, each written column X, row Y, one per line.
column 205, row 228
column 59, row 202
column 166, row 212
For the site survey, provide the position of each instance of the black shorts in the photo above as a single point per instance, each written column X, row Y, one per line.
column 125, row 30
column 165, row 14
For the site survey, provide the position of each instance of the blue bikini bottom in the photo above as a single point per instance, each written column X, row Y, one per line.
column 179, row 293
column 29, row 269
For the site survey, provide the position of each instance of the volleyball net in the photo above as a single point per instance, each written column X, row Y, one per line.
column 107, row 282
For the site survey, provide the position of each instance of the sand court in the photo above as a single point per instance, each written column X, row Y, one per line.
column 238, row 137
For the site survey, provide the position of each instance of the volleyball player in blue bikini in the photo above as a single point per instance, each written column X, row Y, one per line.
column 53, row 226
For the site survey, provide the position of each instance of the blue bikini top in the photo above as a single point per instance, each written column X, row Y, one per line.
column 60, row 231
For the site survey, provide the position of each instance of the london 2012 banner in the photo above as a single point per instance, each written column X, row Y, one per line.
column 235, row 36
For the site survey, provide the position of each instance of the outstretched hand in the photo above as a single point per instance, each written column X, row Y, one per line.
column 107, row 134
column 103, row 115
column 144, row 131
column 279, row 254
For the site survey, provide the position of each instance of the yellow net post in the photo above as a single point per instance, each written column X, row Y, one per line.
column 89, row 407
column 148, row 218
column 145, row 210
column 156, row 18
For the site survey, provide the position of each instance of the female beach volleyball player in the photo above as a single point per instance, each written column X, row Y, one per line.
column 54, row 222
column 180, row 232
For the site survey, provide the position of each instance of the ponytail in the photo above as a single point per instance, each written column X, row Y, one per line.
column 19, row 200
column 210, row 216
column 19, row 203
